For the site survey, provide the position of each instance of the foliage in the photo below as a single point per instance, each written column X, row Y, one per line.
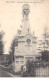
column 45, row 56
column 12, row 49
column 1, row 43
column 30, row 69
column 44, row 42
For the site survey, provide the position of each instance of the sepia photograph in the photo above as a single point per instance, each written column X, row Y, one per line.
column 24, row 38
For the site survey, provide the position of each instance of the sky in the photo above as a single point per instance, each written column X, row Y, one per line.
column 11, row 18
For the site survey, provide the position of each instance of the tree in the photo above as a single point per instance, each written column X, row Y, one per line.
column 1, row 43
column 45, row 56
column 44, row 45
column 30, row 69
column 12, row 49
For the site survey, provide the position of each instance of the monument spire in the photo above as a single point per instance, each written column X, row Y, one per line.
column 25, row 11
column 25, row 23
